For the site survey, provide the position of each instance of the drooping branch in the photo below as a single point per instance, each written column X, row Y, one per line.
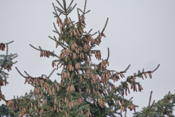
column 20, row 73
column 52, row 53
column 27, row 74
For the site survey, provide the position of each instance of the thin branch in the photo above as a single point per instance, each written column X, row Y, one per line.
column 150, row 98
column 149, row 108
column 34, row 47
column 14, row 57
column 9, row 42
column 125, row 69
column 52, row 53
column 108, row 54
column 129, row 100
column 90, row 31
column 6, row 49
column 61, row 11
column 155, row 68
column 85, row 6
column 55, row 10
column 58, row 42
column 105, row 25
column 59, row 4
column 51, row 74
column 20, row 73
column 28, row 74
column 94, row 33
column 70, row 4
column 64, row 3
column 88, row 11
column 15, row 62
column 56, row 29
column 72, row 8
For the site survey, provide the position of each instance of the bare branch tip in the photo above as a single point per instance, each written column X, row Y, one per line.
column 108, row 54
column 155, row 68
column 51, row 73
column 20, row 73
column 105, row 25
column 150, row 98
column 127, row 68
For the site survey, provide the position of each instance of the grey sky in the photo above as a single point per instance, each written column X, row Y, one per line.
column 139, row 32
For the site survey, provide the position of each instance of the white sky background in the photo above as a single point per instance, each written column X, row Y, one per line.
column 139, row 32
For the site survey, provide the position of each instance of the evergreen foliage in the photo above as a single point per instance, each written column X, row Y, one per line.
column 86, row 88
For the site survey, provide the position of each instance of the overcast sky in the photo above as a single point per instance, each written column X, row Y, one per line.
column 139, row 32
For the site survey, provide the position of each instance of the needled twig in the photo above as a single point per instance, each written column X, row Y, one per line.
column 70, row 4
column 55, row 11
column 60, row 4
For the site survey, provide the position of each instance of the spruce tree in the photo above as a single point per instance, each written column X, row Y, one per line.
column 86, row 88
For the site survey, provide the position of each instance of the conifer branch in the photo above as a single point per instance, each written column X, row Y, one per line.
column 34, row 47
column 125, row 69
column 61, row 11
column 150, row 98
column 155, row 68
column 64, row 3
column 56, row 29
column 108, row 55
column 72, row 9
column 20, row 73
column 70, row 4
column 149, row 108
column 28, row 74
column 51, row 74
column 105, row 25
column 62, row 45
column 89, row 31
column 7, row 49
column 52, row 53
column 9, row 42
column 55, row 11
column 94, row 33
column 7, row 46
column 85, row 6
column 60, row 4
